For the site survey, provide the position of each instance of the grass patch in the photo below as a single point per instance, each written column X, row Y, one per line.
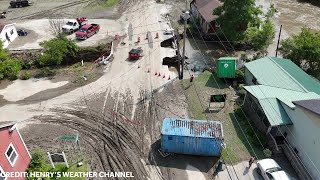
column 237, row 147
column 62, row 168
column 111, row 3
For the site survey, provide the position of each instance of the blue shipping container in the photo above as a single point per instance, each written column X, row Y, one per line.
column 194, row 137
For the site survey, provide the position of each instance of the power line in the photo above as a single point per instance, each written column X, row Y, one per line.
column 284, row 125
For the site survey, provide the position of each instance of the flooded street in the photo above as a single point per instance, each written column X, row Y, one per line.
column 292, row 15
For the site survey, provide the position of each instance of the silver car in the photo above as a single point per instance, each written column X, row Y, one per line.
column 269, row 169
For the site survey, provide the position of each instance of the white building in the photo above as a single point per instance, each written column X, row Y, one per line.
column 8, row 33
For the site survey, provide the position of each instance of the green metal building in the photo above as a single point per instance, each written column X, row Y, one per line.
column 226, row 67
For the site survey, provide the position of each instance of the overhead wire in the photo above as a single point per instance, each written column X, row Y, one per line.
column 279, row 130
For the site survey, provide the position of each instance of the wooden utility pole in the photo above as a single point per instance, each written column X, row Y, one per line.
column 184, row 38
column 278, row 41
column 177, row 39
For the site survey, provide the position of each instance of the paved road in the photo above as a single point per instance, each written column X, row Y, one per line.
column 239, row 171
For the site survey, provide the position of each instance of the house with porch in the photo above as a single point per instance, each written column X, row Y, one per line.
column 203, row 11
column 284, row 103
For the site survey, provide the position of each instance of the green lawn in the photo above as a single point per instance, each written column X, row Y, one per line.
column 111, row 3
column 73, row 168
column 238, row 149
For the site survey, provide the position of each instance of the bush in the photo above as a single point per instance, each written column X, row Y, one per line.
column 267, row 153
column 57, row 51
column 38, row 162
column 25, row 76
column 45, row 72
column 240, row 75
column 10, row 68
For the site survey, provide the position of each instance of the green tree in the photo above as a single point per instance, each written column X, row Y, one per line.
column 9, row 68
column 304, row 50
column 235, row 17
column 57, row 51
column 38, row 162
column 260, row 39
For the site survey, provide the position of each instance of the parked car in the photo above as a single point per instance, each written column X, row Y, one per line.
column 87, row 30
column 135, row 54
column 19, row 3
column 74, row 25
column 269, row 169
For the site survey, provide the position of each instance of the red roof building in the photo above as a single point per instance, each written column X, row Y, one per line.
column 14, row 155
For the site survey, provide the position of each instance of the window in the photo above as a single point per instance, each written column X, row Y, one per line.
column 11, row 154
column 2, row 177
column 270, row 176
column 169, row 137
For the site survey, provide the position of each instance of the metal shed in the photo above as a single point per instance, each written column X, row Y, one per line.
column 194, row 137
column 226, row 67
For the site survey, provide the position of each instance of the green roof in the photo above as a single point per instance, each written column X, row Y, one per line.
column 282, row 73
column 271, row 99
column 274, row 112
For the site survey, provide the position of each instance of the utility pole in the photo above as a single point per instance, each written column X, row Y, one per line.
column 278, row 41
column 184, row 38
column 177, row 39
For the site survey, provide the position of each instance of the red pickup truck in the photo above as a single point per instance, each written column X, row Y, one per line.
column 87, row 31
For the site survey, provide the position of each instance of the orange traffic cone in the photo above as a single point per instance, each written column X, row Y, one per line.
column 157, row 35
column 164, row 76
column 147, row 36
column 159, row 74
column 155, row 73
column 169, row 77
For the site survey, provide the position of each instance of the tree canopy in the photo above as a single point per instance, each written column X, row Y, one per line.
column 241, row 21
column 304, row 50
column 236, row 15
column 57, row 50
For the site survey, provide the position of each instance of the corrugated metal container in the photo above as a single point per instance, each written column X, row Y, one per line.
column 226, row 67
column 194, row 137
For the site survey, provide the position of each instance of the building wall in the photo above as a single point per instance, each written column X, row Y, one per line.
column 248, row 77
column 23, row 159
column 255, row 113
column 8, row 34
column 305, row 137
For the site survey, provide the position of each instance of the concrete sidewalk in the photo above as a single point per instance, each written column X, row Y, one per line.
column 239, row 171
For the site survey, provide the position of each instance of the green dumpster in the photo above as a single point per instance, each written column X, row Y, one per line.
column 226, row 67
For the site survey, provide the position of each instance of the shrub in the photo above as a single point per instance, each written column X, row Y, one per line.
column 45, row 72
column 57, row 50
column 240, row 75
column 10, row 68
column 38, row 162
column 267, row 153
column 25, row 76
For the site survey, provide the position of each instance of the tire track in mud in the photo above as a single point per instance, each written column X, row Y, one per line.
column 121, row 154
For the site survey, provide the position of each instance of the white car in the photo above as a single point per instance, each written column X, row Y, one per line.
column 269, row 169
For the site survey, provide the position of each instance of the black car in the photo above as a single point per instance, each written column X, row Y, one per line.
column 19, row 3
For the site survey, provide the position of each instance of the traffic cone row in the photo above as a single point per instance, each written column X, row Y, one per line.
column 159, row 74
